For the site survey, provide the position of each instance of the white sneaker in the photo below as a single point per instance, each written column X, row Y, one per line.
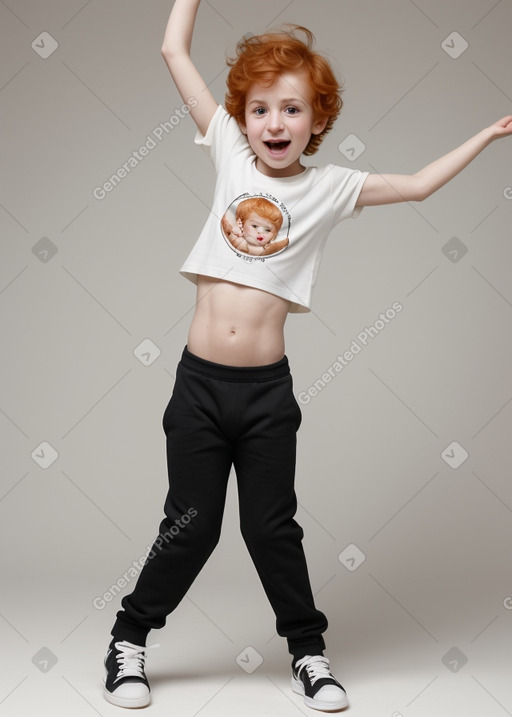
column 312, row 678
column 126, row 684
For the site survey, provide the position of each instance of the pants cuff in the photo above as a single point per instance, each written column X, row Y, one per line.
column 131, row 633
column 301, row 648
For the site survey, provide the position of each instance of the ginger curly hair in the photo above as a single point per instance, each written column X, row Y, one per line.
column 263, row 208
column 261, row 58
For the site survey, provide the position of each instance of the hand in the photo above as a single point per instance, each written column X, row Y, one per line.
column 502, row 128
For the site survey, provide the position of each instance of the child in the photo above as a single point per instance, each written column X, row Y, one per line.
column 232, row 402
column 257, row 224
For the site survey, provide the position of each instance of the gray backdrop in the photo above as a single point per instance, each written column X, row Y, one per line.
column 404, row 457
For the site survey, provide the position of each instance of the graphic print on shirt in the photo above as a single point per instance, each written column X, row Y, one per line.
column 254, row 226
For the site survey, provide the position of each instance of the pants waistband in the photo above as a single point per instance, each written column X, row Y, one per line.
column 267, row 372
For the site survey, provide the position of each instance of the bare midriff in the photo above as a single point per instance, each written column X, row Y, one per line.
column 237, row 325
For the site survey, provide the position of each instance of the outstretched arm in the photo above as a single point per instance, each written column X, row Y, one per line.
column 176, row 53
column 391, row 188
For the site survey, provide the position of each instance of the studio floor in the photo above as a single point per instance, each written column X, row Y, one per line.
column 54, row 667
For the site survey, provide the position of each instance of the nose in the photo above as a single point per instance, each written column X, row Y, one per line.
column 274, row 121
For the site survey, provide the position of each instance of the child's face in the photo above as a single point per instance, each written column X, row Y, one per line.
column 279, row 123
column 257, row 230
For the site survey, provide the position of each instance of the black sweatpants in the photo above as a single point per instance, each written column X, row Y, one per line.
column 219, row 416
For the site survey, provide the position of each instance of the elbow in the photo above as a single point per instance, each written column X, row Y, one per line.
column 169, row 52
column 421, row 190
column 422, row 195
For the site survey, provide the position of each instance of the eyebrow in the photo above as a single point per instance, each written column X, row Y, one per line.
column 286, row 100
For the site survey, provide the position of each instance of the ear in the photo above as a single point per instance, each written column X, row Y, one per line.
column 243, row 127
column 319, row 126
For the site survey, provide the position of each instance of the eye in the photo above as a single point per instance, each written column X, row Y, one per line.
column 259, row 111
column 292, row 110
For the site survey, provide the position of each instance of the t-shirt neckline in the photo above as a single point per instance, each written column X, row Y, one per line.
column 293, row 178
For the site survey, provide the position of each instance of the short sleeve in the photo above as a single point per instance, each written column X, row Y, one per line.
column 223, row 137
column 346, row 185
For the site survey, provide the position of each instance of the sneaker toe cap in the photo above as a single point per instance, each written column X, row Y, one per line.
column 131, row 691
column 331, row 697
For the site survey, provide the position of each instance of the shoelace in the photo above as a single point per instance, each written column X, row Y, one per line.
column 316, row 666
column 131, row 659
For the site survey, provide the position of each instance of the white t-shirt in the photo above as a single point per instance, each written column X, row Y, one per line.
column 268, row 232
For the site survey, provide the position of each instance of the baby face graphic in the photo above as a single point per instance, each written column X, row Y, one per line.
column 253, row 227
column 257, row 230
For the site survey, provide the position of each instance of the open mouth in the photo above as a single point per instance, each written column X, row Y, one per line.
column 275, row 146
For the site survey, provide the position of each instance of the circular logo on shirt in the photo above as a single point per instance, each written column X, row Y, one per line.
column 256, row 225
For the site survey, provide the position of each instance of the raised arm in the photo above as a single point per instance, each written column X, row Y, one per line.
column 176, row 53
column 392, row 188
